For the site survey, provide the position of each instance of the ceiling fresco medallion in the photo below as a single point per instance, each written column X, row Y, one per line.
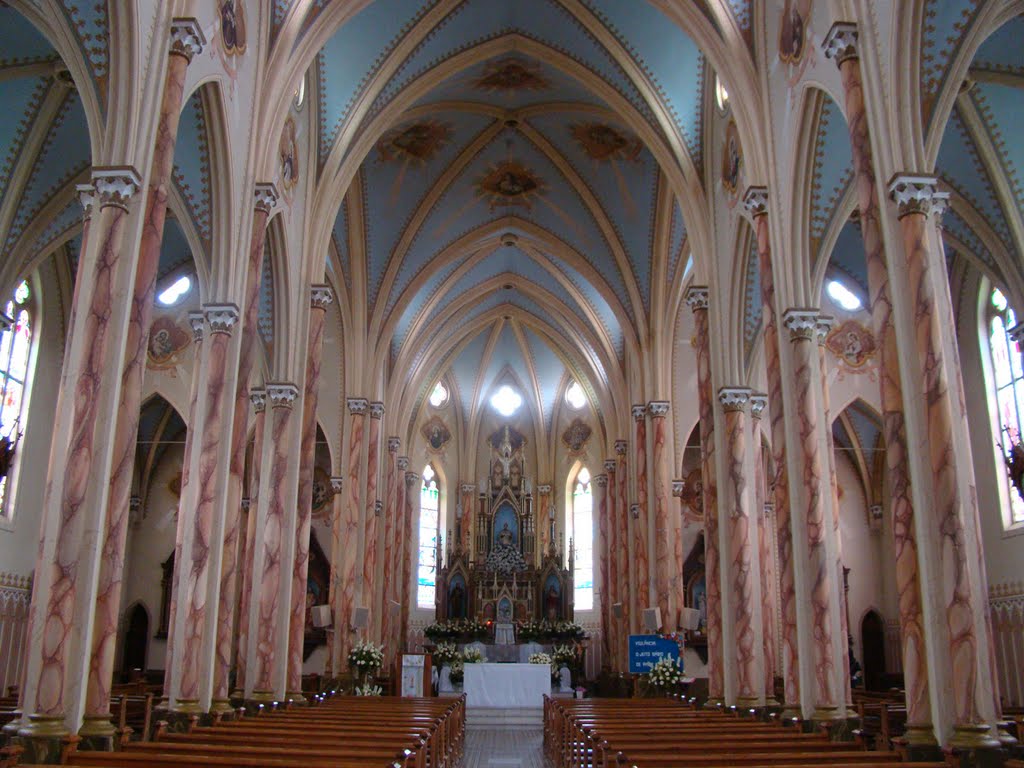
column 732, row 159
column 692, row 496
column 604, row 142
column 576, row 435
column 232, row 26
column 289, row 151
column 510, row 183
column 853, row 344
column 795, row 49
column 167, row 340
column 436, row 433
column 416, row 143
column 512, row 74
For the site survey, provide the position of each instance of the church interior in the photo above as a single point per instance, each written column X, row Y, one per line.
column 354, row 345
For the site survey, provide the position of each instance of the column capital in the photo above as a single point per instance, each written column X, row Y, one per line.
column 802, row 324
column 321, row 296
column 620, row 447
column 697, row 297
column 197, row 320
column 265, row 197
column 135, row 515
column 221, row 318
column 467, row 487
column 411, row 478
column 678, row 486
column 544, row 488
column 876, row 512
column 357, row 405
column 734, row 398
column 282, row 394
column 634, row 511
column 258, row 398
column 755, row 201
column 245, row 503
column 601, row 480
column 824, row 327
column 609, row 465
column 841, row 42
column 87, row 197
column 758, row 402
column 187, row 38
column 337, row 483
column 376, row 410
column 769, row 507
column 394, row 443
column 402, row 462
column 658, row 408
column 116, row 185
column 378, row 507
column 940, row 204
column 639, row 411
column 912, row 193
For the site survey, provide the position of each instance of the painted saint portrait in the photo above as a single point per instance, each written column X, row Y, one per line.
column 167, row 340
column 232, row 26
column 437, row 434
column 795, row 49
column 852, row 343
column 510, row 183
column 732, row 159
column 604, row 142
column 416, row 143
column 289, row 154
column 576, row 435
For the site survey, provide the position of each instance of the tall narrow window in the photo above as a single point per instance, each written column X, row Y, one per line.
column 583, row 541
column 430, row 497
column 15, row 346
column 1008, row 377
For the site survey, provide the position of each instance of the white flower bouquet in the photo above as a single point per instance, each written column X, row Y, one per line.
column 446, row 654
column 472, row 656
column 665, row 673
column 540, row 658
column 366, row 657
column 368, row 690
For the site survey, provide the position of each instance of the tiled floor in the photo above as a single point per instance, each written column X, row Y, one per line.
column 504, row 748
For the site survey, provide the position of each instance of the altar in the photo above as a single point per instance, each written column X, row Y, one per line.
column 508, row 686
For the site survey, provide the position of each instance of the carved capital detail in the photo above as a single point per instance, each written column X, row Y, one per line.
column 197, row 320
column 802, row 324
column 824, row 327
column 544, row 489
column 467, row 487
column 620, row 447
column 609, row 465
column 116, row 185
column 734, row 398
column 758, row 402
column 677, row 487
column 258, row 398
column 187, row 38
column 378, row 507
column 639, row 412
column 265, row 197
column 912, row 194
column 841, row 42
column 394, row 443
column 282, row 395
column 402, row 462
column 601, row 480
column 376, row 410
column 658, row 408
column 755, row 201
column 87, row 197
column 357, row 405
column 321, row 296
column 697, row 297
column 337, row 483
column 222, row 318
column 634, row 511
column 940, row 204
column 246, row 503
column 411, row 478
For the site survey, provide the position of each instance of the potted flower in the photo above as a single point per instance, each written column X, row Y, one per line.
column 456, row 672
column 364, row 659
column 472, row 656
column 664, row 675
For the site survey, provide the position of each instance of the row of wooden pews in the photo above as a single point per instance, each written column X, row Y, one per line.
column 883, row 717
column 342, row 732
column 667, row 733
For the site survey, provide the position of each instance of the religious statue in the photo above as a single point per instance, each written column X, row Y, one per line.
column 515, row 475
column 456, row 602
column 552, row 603
column 497, row 477
column 505, row 536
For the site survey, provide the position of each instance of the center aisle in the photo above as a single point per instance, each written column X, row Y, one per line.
column 504, row 748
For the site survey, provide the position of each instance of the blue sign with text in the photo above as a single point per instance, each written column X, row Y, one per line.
column 647, row 650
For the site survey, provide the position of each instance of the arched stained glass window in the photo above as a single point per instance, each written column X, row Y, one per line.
column 430, row 503
column 1008, row 378
column 583, row 541
column 15, row 348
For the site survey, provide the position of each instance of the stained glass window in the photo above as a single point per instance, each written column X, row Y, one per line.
column 583, row 541
column 430, row 498
column 1008, row 376
column 15, row 345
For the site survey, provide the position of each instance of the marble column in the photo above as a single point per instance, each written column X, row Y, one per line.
column 949, row 555
column 61, row 618
column 258, row 398
column 766, row 557
column 666, row 533
column 755, row 202
column 321, row 297
column 601, row 482
column 814, row 518
column 268, row 641
column 467, row 499
column 412, row 514
column 697, row 299
column 641, row 570
column 612, row 586
column 402, row 550
column 334, row 662
column 388, row 614
column 186, row 41
column 740, row 629
column 370, row 586
column 349, row 564
column 627, row 586
column 841, row 44
column 544, row 519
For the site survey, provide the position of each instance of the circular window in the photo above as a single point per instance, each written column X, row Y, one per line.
column 721, row 95
column 575, row 396
column 506, row 400
column 843, row 296
column 439, row 395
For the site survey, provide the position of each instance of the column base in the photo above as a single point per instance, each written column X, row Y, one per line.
column 10, row 730
column 918, row 744
column 714, row 702
column 1004, row 736
column 748, row 702
column 296, row 699
column 974, row 736
column 260, row 702
column 97, row 733
column 43, row 739
column 222, row 707
column 920, row 735
column 187, row 706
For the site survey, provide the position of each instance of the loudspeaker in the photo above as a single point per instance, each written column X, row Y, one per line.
column 689, row 618
column 652, row 619
column 361, row 617
column 394, row 608
column 617, row 610
column 321, row 615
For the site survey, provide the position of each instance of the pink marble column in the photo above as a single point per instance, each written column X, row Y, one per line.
column 697, row 298
column 664, row 532
column 412, row 513
column 964, row 644
column 186, row 41
column 802, row 326
column 350, row 571
column 269, row 634
column 601, row 481
column 466, row 524
column 641, row 561
column 543, row 502
column 756, row 203
column 736, row 505
column 337, row 559
column 321, row 297
column 622, row 504
column 841, row 45
column 76, row 494
column 615, row 628
column 388, row 616
column 258, row 398
column 371, row 529
column 401, row 551
column 766, row 558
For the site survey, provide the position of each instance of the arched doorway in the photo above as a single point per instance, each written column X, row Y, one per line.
column 872, row 634
column 135, row 640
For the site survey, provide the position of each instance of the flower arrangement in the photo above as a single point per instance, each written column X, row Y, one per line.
column 564, row 655
column 456, row 672
column 472, row 656
column 446, row 654
column 368, row 690
column 547, row 630
column 455, row 628
column 665, row 673
column 366, row 657
column 540, row 658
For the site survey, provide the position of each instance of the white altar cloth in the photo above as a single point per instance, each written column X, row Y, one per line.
column 507, row 685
